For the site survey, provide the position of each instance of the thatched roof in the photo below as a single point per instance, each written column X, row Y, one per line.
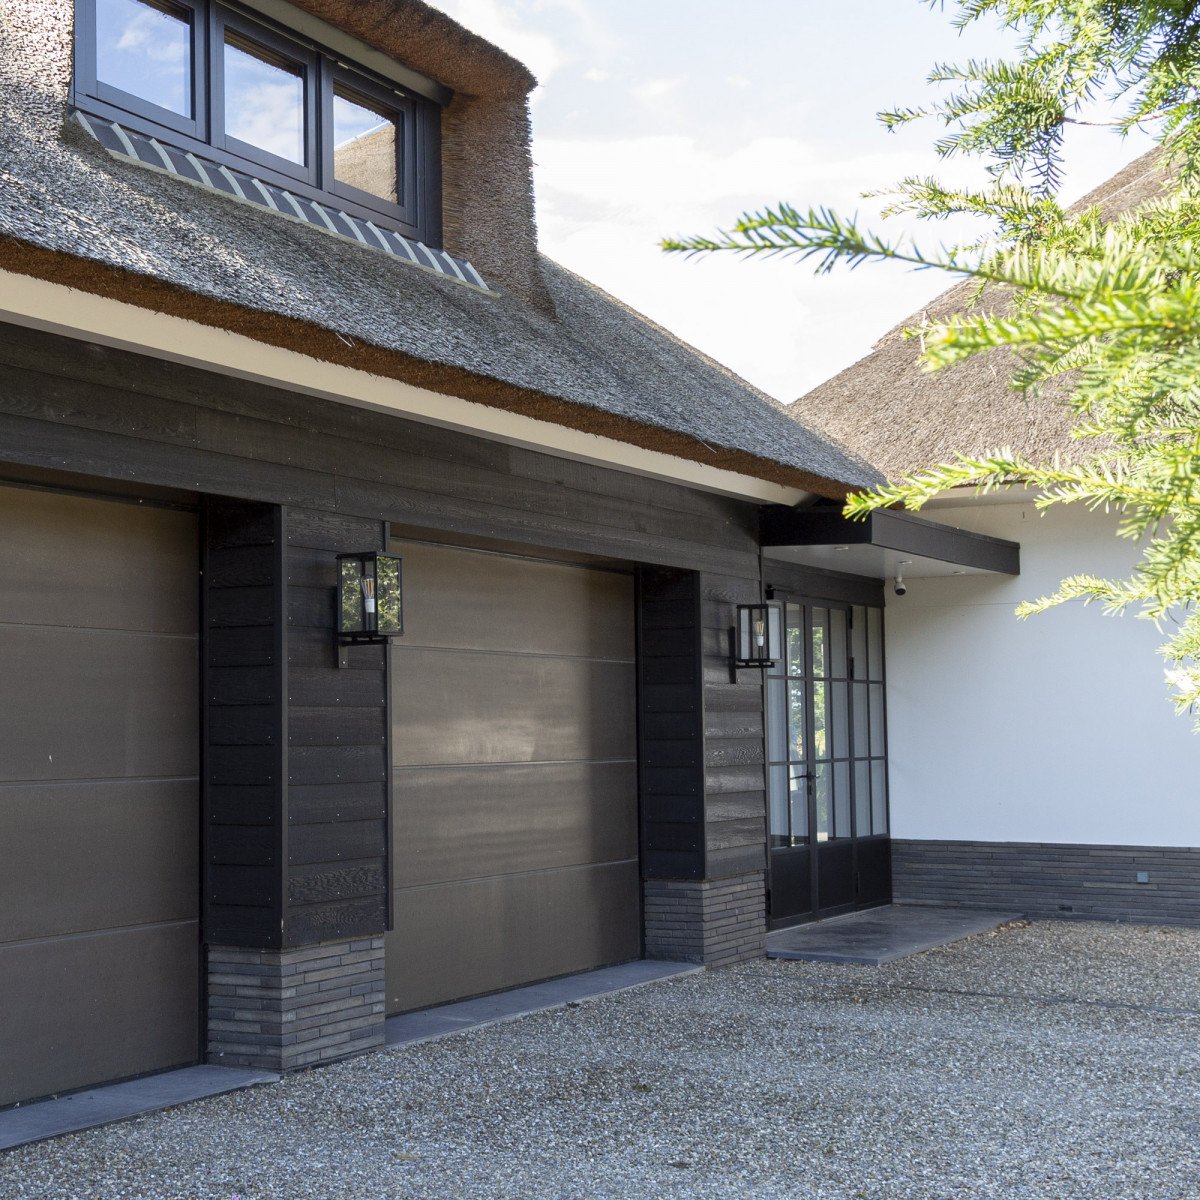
column 900, row 419
column 71, row 213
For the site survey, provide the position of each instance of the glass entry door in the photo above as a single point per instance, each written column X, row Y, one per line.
column 827, row 764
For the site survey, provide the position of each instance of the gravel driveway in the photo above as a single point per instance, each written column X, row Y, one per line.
column 1048, row 1061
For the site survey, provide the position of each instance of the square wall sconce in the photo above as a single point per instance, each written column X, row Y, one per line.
column 757, row 638
column 370, row 601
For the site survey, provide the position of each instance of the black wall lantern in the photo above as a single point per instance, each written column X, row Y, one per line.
column 757, row 638
column 370, row 603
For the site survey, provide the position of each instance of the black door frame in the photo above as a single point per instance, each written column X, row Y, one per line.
column 870, row 852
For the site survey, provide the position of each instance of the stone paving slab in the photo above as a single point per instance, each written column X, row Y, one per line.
column 446, row 1019
column 882, row 935
column 121, row 1101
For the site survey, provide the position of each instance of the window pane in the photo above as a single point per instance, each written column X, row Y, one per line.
column 820, row 632
column 799, row 804
column 776, row 721
column 878, row 798
column 145, row 47
column 820, row 719
column 795, row 639
column 264, row 98
column 861, row 744
column 862, row 798
column 824, row 807
column 858, row 641
column 837, row 643
column 366, row 144
column 777, row 809
column 841, row 800
column 839, row 719
column 875, row 643
column 876, row 718
column 796, row 720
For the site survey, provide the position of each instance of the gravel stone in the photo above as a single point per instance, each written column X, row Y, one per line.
column 1046, row 1062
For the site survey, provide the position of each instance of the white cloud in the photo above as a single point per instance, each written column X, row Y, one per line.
column 595, row 75
column 655, row 89
column 605, row 205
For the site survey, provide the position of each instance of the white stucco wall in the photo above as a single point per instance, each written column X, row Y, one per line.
column 1052, row 729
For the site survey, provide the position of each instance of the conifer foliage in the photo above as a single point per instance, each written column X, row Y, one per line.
column 1108, row 312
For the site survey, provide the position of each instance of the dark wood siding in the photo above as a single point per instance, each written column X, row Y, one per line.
column 734, row 775
column 337, row 777
column 295, row 747
column 111, row 413
column 670, row 724
column 244, row 750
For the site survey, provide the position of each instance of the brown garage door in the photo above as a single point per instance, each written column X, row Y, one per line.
column 99, row 958
column 514, row 853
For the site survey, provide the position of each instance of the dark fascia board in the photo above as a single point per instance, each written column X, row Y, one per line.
column 890, row 530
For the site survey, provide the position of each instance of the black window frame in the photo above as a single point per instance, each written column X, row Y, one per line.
column 417, row 215
column 222, row 19
column 860, row 678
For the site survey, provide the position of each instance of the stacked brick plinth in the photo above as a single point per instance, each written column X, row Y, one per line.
column 717, row 922
column 1047, row 879
column 283, row 1010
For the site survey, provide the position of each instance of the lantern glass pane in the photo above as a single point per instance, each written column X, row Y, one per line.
column 775, row 633
column 351, row 618
column 389, row 595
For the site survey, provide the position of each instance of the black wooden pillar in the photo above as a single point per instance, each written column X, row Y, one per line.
column 296, row 771
column 702, row 782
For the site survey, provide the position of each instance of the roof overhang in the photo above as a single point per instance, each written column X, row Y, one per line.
column 56, row 308
column 883, row 543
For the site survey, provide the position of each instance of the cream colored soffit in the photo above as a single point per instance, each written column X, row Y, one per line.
column 39, row 304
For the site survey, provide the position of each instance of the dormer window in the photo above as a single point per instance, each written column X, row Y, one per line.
column 228, row 83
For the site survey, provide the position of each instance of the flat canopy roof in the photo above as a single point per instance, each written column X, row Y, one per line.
column 882, row 543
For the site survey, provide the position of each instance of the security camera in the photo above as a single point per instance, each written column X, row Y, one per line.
column 901, row 586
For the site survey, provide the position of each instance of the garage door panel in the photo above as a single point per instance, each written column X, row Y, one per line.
column 72, row 561
column 94, row 704
column 98, row 1006
column 449, row 822
column 99, row 799
column 490, row 602
column 465, row 707
column 87, row 856
column 476, row 936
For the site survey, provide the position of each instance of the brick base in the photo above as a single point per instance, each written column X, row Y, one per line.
column 715, row 922
column 1044, row 879
column 282, row 1010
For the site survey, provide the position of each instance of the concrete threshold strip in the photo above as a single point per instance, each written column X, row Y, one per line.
column 114, row 1102
column 878, row 936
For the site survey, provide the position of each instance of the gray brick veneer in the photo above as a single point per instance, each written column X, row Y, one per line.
column 716, row 921
column 282, row 1010
column 1045, row 879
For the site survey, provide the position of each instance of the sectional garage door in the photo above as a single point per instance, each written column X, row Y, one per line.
column 514, row 854
column 99, row 945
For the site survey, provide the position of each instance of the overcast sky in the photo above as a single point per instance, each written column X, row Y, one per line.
column 673, row 116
